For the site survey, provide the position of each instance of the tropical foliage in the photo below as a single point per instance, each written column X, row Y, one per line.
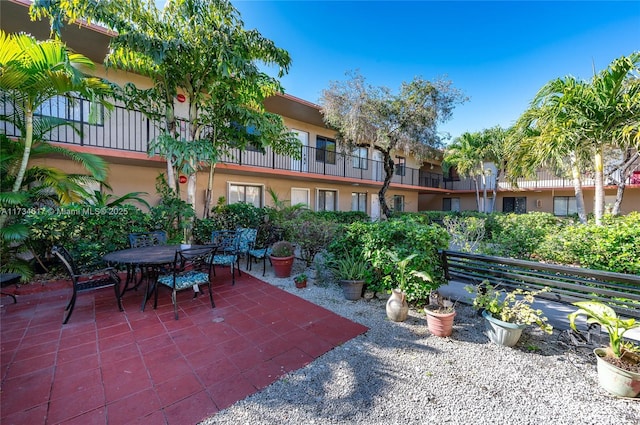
column 374, row 117
column 32, row 73
column 198, row 48
column 575, row 121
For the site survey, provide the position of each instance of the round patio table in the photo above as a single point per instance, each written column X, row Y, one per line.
column 152, row 257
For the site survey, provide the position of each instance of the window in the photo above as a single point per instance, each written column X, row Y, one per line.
column 398, row 203
column 450, row 204
column 564, row 205
column 299, row 196
column 327, row 200
column 245, row 193
column 359, row 201
column 360, row 158
column 325, row 150
column 516, row 205
column 78, row 110
column 400, row 165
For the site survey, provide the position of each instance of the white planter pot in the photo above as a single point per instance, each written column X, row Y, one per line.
column 616, row 381
column 502, row 333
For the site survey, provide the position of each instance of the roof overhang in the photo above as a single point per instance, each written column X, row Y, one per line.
column 90, row 40
column 295, row 108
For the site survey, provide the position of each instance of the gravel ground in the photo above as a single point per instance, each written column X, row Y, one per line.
column 397, row 373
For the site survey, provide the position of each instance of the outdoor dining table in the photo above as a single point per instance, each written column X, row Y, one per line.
column 152, row 257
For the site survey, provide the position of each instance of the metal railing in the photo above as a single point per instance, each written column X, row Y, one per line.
column 130, row 130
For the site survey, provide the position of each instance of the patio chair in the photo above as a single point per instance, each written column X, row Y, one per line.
column 86, row 281
column 157, row 237
column 191, row 267
column 140, row 239
column 269, row 235
column 227, row 242
column 246, row 240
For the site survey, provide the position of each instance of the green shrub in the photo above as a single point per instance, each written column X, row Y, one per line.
column 518, row 235
column 382, row 243
column 343, row 217
column 614, row 246
column 311, row 233
column 87, row 232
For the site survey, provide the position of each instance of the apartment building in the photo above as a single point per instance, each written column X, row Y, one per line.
column 324, row 178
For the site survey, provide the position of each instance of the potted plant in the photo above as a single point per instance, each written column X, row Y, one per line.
column 618, row 364
column 440, row 313
column 301, row 281
column 352, row 271
column 397, row 306
column 507, row 313
column 282, row 258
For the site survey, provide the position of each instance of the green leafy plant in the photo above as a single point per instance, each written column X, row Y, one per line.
column 405, row 275
column 282, row 249
column 311, row 233
column 350, row 266
column 510, row 306
column 300, row 278
column 606, row 317
column 404, row 236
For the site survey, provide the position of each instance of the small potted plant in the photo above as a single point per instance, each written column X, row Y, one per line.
column 440, row 313
column 301, row 281
column 397, row 306
column 507, row 313
column 352, row 271
column 618, row 364
column 282, row 258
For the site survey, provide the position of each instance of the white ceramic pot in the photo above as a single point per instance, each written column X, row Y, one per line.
column 500, row 332
column 616, row 381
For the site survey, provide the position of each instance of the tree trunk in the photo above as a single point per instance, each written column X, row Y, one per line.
column 625, row 172
column 388, row 164
column 598, row 208
column 28, row 142
column 577, row 188
column 209, row 192
column 475, row 182
column 484, row 191
column 171, row 129
column 495, row 191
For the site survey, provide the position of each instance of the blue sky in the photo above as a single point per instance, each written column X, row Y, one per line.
column 498, row 53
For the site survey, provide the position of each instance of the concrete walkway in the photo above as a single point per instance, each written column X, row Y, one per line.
column 555, row 312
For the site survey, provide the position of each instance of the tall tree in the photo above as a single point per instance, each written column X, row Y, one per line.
column 466, row 154
column 193, row 46
column 32, row 73
column 471, row 154
column 575, row 118
column 374, row 117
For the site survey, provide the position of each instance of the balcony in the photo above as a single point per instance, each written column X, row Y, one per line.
column 129, row 130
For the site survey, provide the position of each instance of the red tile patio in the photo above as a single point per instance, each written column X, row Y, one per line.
column 134, row 367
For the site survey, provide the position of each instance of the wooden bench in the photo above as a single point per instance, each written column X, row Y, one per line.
column 568, row 284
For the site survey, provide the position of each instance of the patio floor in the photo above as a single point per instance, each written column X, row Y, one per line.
column 134, row 367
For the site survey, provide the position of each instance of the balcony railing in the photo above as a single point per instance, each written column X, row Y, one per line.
column 543, row 180
column 129, row 130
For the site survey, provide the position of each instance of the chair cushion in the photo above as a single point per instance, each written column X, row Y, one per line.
column 224, row 259
column 259, row 253
column 185, row 280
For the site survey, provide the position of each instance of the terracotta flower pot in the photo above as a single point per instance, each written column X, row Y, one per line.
column 440, row 324
column 282, row 265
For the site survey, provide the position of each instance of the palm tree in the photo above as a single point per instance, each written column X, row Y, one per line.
column 33, row 72
column 466, row 154
column 575, row 119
